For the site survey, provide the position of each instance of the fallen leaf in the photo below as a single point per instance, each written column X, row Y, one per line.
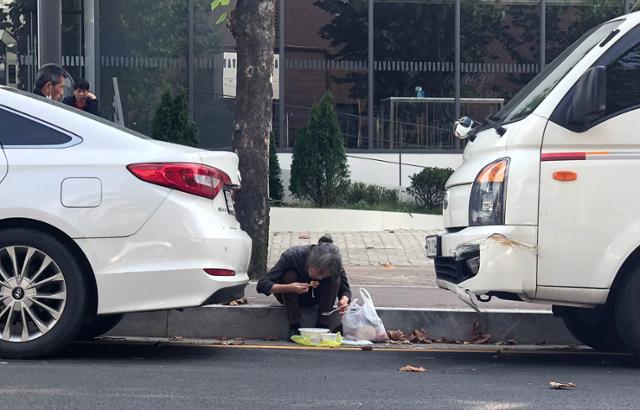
column 419, row 336
column 303, row 237
column 366, row 348
column 561, row 386
column 477, row 337
column 397, row 336
column 176, row 338
column 412, row 369
column 483, row 340
column 271, row 338
column 387, row 265
column 233, row 303
column 511, row 342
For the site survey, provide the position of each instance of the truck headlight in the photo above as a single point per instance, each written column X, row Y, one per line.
column 488, row 195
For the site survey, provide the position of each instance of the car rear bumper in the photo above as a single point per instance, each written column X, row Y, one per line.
column 162, row 266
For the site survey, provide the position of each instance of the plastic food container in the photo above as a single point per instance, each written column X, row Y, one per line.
column 314, row 334
column 329, row 337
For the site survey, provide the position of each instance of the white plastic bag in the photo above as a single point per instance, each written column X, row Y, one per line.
column 361, row 322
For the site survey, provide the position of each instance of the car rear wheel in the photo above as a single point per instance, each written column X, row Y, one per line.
column 592, row 327
column 96, row 326
column 43, row 294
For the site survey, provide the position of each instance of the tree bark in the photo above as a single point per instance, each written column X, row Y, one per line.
column 253, row 26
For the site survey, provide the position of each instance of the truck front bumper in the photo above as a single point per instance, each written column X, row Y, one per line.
column 483, row 261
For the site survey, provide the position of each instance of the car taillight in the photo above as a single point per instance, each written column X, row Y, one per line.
column 196, row 179
column 220, row 272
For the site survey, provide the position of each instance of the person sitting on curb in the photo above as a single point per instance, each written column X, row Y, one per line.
column 82, row 98
column 307, row 276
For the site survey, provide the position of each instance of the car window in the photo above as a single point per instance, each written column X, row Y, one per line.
column 623, row 83
column 75, row 111
column 17, row 130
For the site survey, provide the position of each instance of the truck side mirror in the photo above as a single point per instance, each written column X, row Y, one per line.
column 463, row 127
column 589, row 100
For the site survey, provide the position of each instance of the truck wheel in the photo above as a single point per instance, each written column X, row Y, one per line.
column 43, row 294
column 627, row 308
column 593, row 328
column 96, row 326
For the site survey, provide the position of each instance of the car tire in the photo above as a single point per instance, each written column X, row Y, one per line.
column 594, row 328
column 627, row 308
column 43, row 295
column 98, row 325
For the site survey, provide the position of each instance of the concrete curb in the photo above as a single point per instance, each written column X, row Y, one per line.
column 258, row 322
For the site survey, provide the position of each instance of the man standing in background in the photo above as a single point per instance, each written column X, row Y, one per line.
column 50, row 82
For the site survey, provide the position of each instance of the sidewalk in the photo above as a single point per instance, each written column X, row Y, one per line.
column 391, row 265
column 399, row 248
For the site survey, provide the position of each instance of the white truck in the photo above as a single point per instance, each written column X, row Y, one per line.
column 545, row 207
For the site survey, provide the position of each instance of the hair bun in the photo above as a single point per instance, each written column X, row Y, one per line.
column 326, row 238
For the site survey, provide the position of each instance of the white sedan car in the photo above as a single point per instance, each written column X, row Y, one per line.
column 97, row 220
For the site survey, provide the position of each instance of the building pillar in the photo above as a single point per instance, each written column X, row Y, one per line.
column 49, row 32
column 543, row 34
column 457, row 60
column 191, row 61
column 92, row 44
column 282, row 113
column 371, row 72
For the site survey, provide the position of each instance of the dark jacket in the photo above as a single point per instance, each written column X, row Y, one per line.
column 91, row 106
column 295, row 259
column 39, row 93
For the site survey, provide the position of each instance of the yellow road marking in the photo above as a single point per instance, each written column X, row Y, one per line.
column 410, row 350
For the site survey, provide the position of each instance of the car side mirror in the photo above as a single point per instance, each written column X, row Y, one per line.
column 589, row 100
column 463, row 127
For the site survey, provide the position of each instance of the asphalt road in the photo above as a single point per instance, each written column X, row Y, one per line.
column 101, row 376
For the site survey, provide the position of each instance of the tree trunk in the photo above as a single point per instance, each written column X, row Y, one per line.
column 253, row 26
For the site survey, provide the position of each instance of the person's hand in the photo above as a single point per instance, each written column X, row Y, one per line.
column 91, row 97
column 299, row 288
column 343, row 304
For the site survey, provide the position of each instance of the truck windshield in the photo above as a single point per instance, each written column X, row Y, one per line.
column 528, row 99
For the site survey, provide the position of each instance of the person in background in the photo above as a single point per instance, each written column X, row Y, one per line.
column 306, row 276
column 82, row 98
column 50, row 82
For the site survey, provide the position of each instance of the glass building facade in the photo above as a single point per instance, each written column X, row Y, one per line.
column 390, row 64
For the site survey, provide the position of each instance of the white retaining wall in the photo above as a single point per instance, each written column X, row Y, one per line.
column 346, row 220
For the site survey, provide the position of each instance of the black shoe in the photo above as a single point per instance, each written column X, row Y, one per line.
column 337, row 329
column 294, row 331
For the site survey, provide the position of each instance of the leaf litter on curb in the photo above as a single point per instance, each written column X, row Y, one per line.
column 561, row 386
column 412, row 369
column 477, row 337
